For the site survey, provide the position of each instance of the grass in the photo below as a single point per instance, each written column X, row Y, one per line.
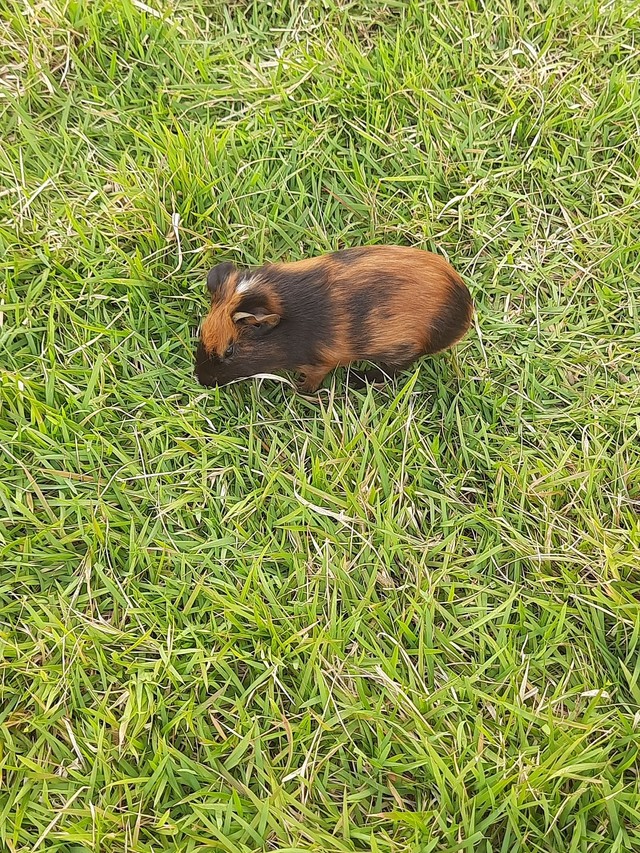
column 396, row 620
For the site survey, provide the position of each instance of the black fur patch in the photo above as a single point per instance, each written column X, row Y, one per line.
column 307, row 323
column 453, row 318
column 362, row 305
column 218, row 275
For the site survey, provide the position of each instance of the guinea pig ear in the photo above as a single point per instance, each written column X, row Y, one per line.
column 264, row 321
column 218, row 275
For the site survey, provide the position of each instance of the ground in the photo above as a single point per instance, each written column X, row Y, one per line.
column 392, row 620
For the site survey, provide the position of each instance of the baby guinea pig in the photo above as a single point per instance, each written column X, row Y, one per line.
column 385, row 304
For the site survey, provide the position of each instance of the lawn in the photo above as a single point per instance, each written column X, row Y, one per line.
column 395, row 620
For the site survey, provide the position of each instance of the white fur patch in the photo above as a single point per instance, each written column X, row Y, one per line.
column 246, row 284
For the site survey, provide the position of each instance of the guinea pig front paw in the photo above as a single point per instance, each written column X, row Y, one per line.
column 304, row 387
column 311, row 380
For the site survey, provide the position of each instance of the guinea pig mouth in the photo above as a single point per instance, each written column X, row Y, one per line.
column 203, row 377
column 206, row 381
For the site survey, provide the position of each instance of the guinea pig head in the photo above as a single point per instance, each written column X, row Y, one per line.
column 236, row 335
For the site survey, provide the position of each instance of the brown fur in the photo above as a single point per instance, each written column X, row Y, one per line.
column 386, row 304
column 218, row 329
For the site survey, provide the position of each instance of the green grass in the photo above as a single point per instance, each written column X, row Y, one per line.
column 396, row 620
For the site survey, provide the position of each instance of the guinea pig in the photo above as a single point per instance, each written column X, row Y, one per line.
column 382, row 304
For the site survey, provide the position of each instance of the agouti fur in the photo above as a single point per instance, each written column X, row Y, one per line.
column 383, row 304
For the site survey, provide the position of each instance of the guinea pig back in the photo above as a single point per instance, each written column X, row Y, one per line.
column 384, row 304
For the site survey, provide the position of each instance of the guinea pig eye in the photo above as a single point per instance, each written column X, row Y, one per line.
column 229, row 351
